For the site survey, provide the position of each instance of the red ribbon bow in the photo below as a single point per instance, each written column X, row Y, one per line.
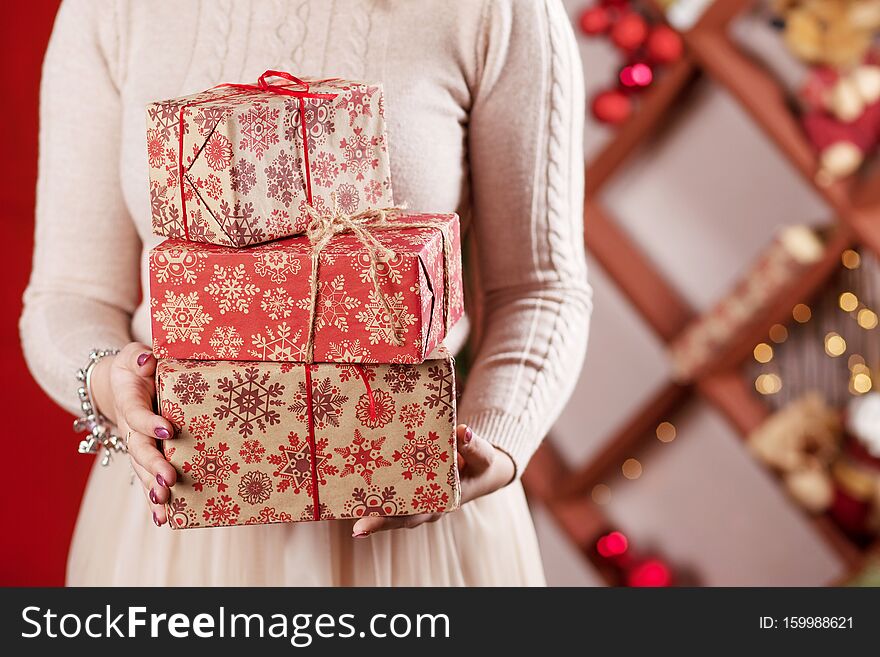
column 301, row 91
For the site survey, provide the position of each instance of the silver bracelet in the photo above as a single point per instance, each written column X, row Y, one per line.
column 101, row 437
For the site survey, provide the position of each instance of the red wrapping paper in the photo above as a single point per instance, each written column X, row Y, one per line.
column 211, row 302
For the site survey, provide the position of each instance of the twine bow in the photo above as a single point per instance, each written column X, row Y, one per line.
column 324, row 227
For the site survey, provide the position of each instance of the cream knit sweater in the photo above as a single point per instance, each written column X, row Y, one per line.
column 484, row 101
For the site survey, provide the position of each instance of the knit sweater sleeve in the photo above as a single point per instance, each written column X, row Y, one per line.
column 528, row 224
column 84, row 283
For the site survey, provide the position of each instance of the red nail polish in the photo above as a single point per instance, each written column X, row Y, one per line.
column 153, row 498
column 468, row 436
column 156, row 520
column 361, row 534
column 161, row 481
column 143, row 358
column 162, row 433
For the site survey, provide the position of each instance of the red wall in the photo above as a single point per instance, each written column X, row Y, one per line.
column 42, row 474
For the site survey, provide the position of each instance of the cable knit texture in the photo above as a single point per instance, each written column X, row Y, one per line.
column 484, row 103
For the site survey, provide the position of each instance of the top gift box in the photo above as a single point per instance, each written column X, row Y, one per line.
column 239, row 164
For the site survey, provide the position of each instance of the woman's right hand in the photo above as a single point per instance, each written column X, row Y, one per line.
column 125, row 391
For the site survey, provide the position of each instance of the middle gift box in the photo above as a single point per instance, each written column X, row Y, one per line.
column 211, row 302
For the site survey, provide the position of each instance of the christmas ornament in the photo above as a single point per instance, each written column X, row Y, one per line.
column 644, row 46
column 612, row 107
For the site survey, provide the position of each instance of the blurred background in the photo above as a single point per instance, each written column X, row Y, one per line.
column 726, row 427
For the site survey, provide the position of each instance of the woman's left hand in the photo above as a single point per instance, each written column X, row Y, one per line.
column 482, row 467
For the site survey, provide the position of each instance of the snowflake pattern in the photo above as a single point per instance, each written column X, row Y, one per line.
column 231, row 287
column 430, row 498
column 259, row 128
column 269, row 515
column 378, row 413
column 411, row 415
column 363, row 457
column 278, row 224
column 402, row 378
column 420, row 455
column 325, row 169
column 218, row 152
column 360, row 153
column 191, row 388
column 348, row 199
column 324, row 512
column 279, row 344
column 277, row 303
column 319, row 122
column 390, row 269
column 182, row 317
column 221, row 510
column 181, row 515
column 176, row 265
column 255, row 487
column 358, row 101
column 226, row 342
column 202, row 427
column 349, row 351
column 243, row 176
column 239, row 224
column 293, row 464
column 372, row 501
column 210, row 466
column 378, row 323
column 333, row 304
column 441, row 391
column 326, row 403
column 284, row 178
column 252, row 451
column 276, row 265
column 207, row 118
column 249, row 400
column 155, row 148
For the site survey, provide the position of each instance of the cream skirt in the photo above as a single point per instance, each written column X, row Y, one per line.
column 488, row 542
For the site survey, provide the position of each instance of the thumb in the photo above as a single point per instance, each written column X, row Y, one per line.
column 476, row 453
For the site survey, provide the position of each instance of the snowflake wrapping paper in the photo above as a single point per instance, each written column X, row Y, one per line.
column 245, row 176
column 211, row 302
column 254, row 447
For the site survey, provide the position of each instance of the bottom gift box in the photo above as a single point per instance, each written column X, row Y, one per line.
column 262, row 442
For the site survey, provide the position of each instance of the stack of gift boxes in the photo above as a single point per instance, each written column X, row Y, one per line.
column 297, row 318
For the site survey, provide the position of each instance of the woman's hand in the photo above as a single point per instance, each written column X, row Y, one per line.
column 482, row 467
column 125, row 389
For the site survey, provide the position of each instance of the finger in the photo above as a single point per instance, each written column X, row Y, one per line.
column 156, row 508
column 142, row 449
column 477, row 452
column 136, row 408
column 372, row 524
column 138, row 358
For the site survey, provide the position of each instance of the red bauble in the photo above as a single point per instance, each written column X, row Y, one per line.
column 636, row 76
column 595, row 20
column 611, row 107
column 651, row 572
column 664, row 45
column 612, row 545
column 629, row 32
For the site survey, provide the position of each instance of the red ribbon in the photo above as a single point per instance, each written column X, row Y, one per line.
column 301, row 91
column 313, row 449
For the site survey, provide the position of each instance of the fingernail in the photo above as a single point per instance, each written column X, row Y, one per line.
column 162, row 433
column 156, row 520
column 161, row 481
column 468, row 435
column 143, row 358
column 360, row 534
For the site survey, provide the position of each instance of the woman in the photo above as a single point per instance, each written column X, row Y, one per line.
column 483, row 103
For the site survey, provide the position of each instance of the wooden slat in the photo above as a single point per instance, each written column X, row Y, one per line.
column 644, row 121
column 625, row 442
column 762, row 98
column 801, row 291
column 661, row 306
column 731, row 394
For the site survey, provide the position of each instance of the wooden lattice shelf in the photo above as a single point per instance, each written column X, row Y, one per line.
column 855, row 204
